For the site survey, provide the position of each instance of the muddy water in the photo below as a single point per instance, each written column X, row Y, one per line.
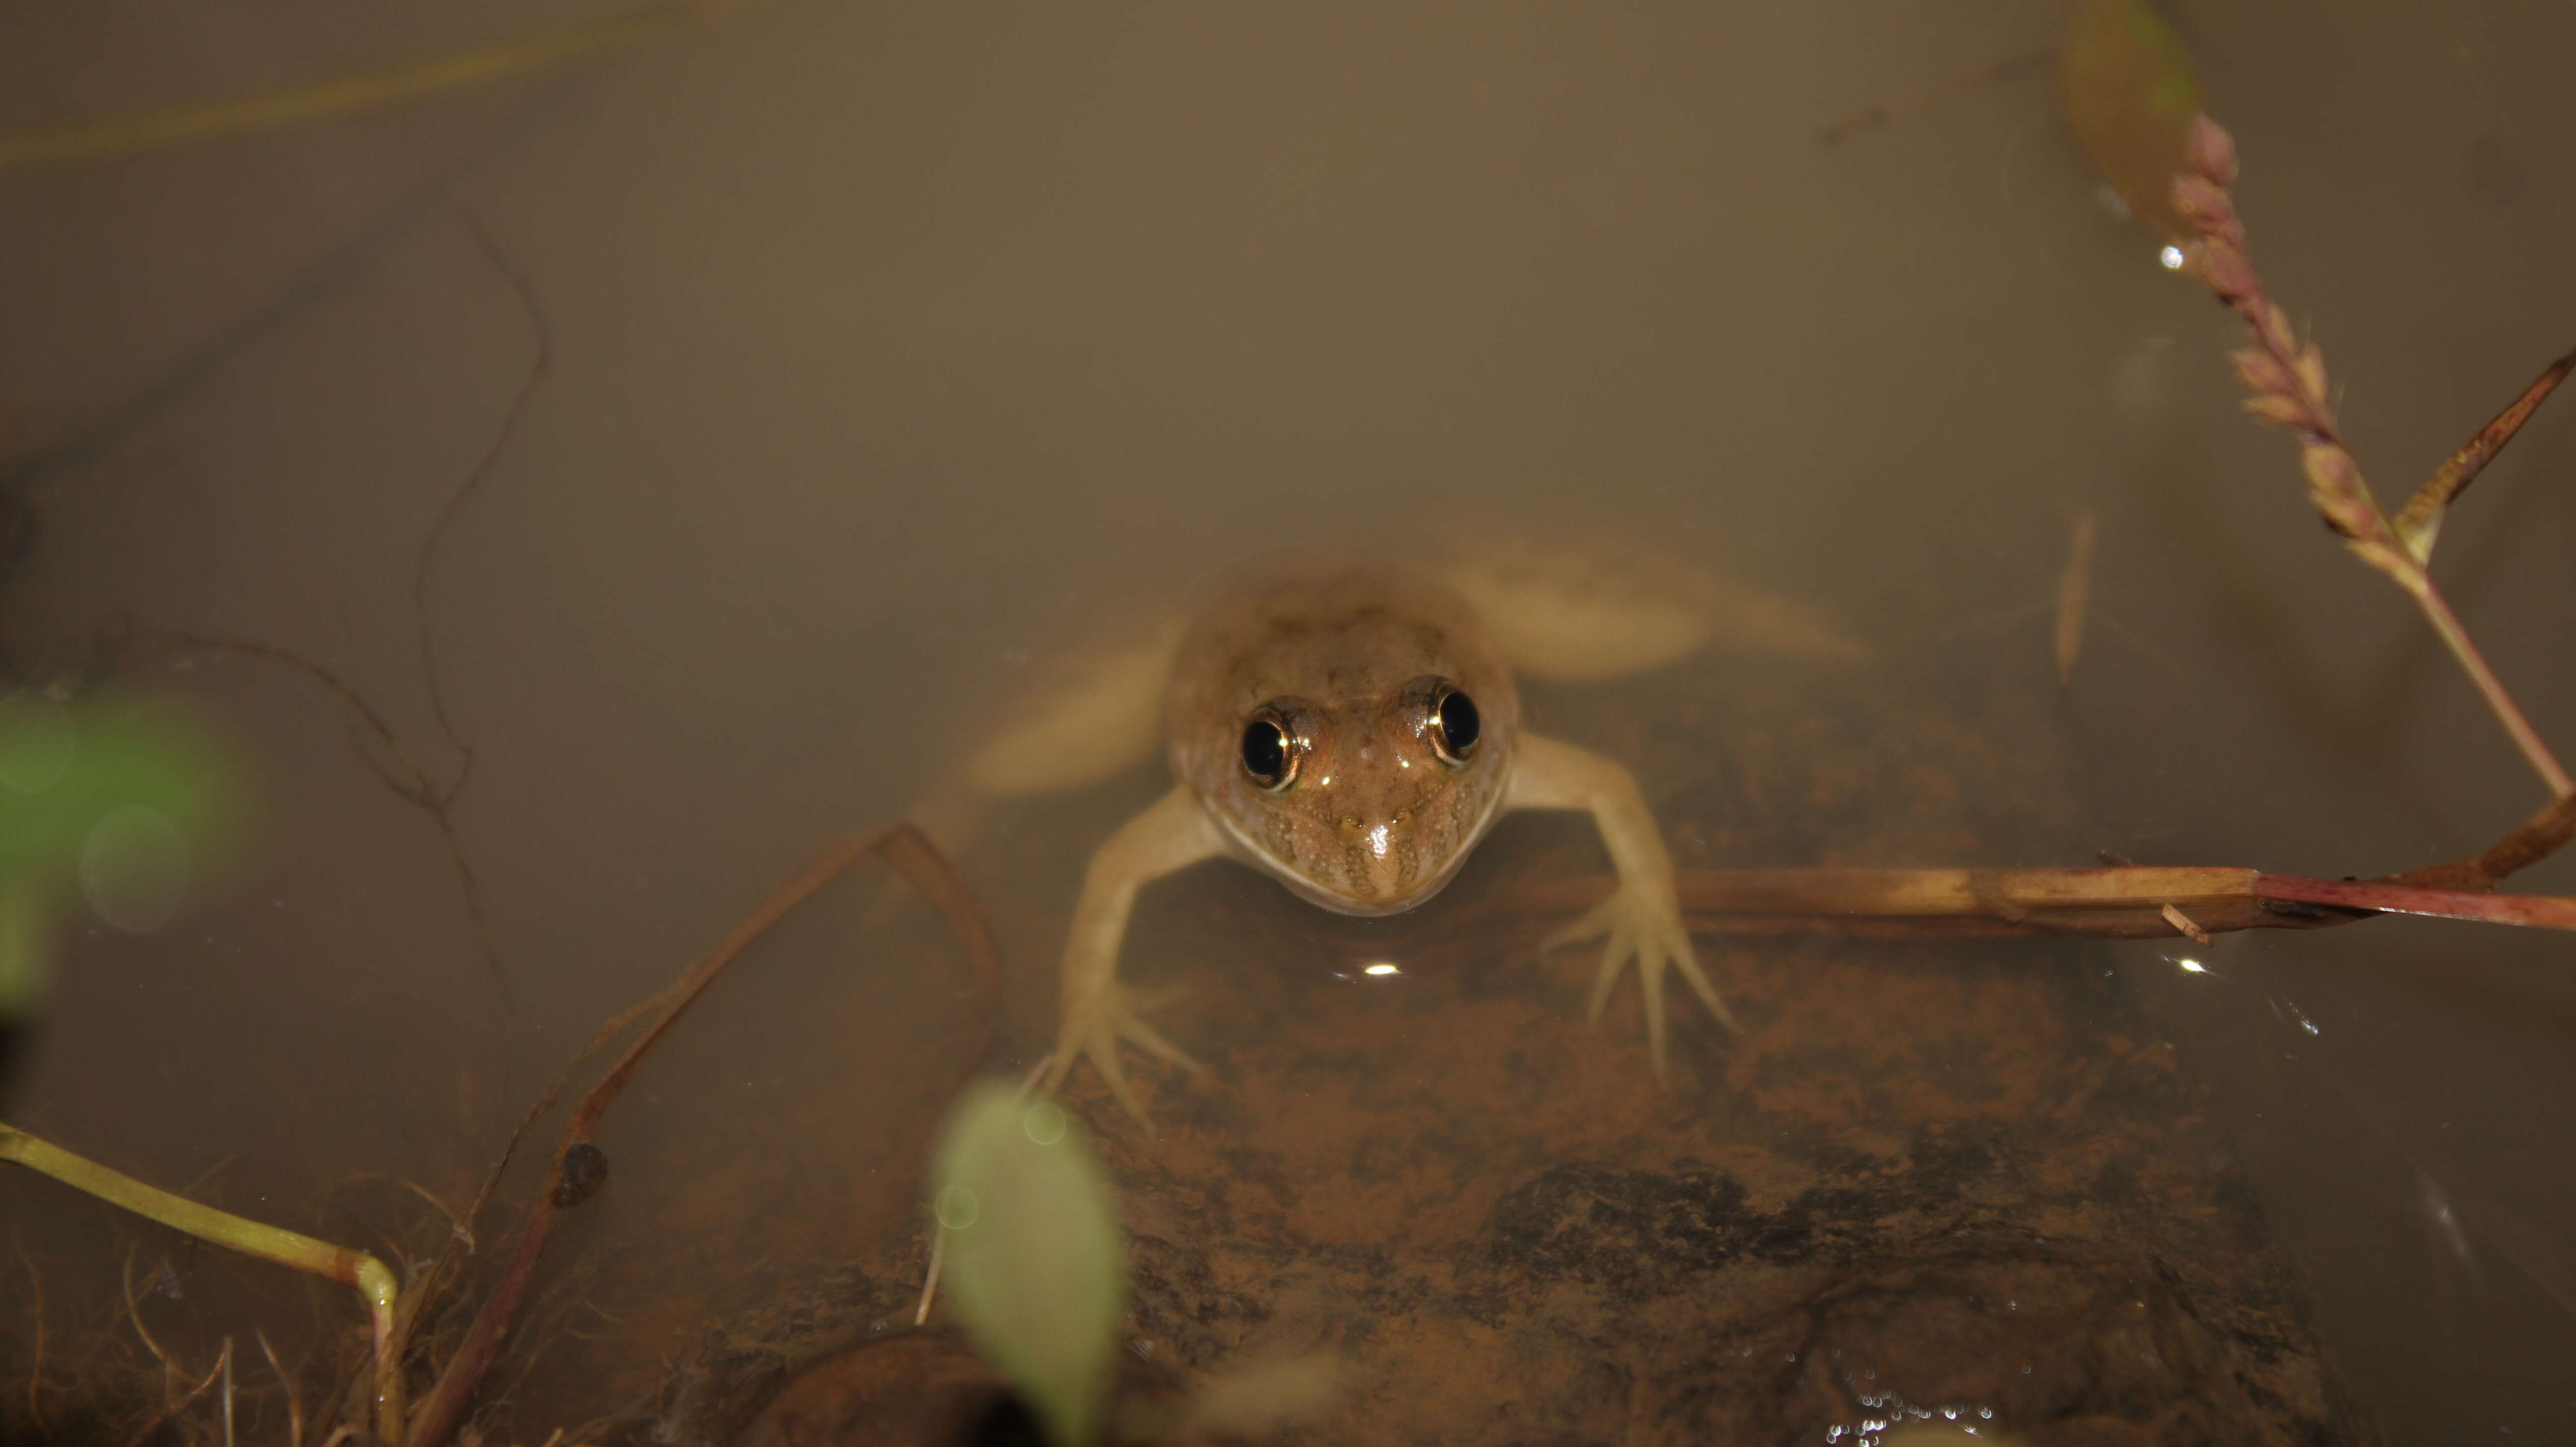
column 878, row 355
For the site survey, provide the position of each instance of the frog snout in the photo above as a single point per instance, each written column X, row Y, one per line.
column 1383, row 859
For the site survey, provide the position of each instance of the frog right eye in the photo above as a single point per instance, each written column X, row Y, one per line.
column 1270, row 751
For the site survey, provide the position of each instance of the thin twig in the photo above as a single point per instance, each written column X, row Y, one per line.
column 226, row 1362
column 450, row 1261
column 294, row 1399
column 134, row 1313
column 152, row 1428
column 455, row 1224
column 579, row 1165
column 414, row 785
column 2183, row 924
column 539, row 365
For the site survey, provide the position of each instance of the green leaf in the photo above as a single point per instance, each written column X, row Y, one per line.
column 2130, row 93
column 22, row 948
column 120, row 798
column 65, row 765
column 1035, row 1268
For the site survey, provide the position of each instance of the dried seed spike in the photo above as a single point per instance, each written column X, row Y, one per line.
column 2212, row 150
column 2258, row 370
column 2312, row 372
column 2280, row 409
column 2202, row 203
column 2336, row 489
column 2227, row 271
column 2272, row 328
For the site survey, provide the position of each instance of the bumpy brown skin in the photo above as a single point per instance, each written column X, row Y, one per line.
column 1374, row 821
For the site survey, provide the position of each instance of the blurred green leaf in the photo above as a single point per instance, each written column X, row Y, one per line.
column 1035, row 1268
column 66, row 765
column 2130, row 93
column 121, row 798
column 22, row 942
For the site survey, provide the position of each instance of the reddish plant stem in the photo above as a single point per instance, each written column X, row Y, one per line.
column 579, row 1168
column 2544, row 910
column 2437, row 611
column 2128, row 903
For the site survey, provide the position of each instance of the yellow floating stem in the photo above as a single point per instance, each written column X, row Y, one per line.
column 368, row 90
column 251, row 1238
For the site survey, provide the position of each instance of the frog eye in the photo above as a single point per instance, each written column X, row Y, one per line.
column 1455, row 727
column 1270, row 752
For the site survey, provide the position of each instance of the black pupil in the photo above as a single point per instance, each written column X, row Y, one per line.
column 1265, row 751
column 1459, row 723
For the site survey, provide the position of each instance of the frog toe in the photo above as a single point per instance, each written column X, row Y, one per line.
column 1150, row 1040
column 1649, row 933
column 1094, row 1035
column 1707, row 992
column 1104, row 1057
column 1615, row 954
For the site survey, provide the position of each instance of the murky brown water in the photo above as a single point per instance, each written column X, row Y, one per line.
column 887, row 352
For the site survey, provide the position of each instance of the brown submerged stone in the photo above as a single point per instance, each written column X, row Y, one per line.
column 1925, row 1176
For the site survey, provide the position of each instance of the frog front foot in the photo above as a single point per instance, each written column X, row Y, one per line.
column 1644, row 924
column 1093, row 1033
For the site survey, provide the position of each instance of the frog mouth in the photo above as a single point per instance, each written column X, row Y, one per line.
column 1416, row 892
column 1339, row 902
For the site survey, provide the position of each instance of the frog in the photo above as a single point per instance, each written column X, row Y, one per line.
column 1352, row 728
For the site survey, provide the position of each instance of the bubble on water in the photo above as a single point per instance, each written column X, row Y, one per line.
column 134, row 868
column 1044, row 1123
column 957, row 1208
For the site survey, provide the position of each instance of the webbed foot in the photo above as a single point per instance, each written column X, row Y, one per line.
column 1644, row 924
column 1094, row 1034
